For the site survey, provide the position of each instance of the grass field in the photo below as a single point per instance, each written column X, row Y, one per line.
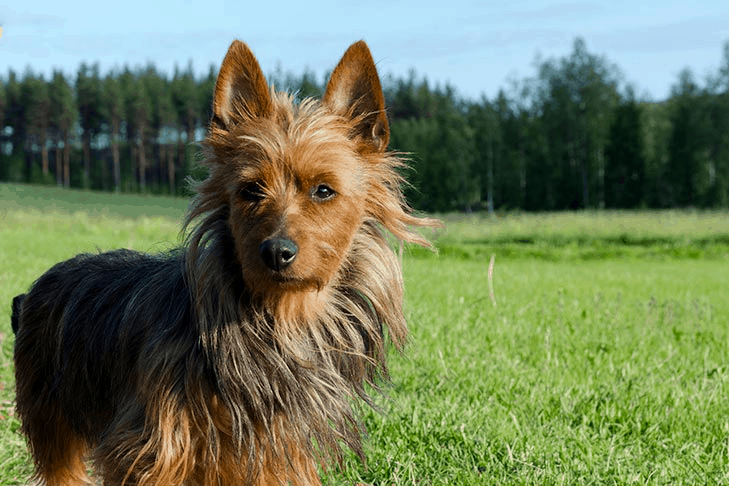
column 604, row 360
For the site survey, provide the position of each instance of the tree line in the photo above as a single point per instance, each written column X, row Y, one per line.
column 574, row 135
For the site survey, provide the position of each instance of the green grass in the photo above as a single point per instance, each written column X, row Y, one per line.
column 52, row 200
column 588, row 235
column 604, row 369
column 606, row 372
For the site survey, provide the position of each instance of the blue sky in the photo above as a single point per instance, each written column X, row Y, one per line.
column 476, row 46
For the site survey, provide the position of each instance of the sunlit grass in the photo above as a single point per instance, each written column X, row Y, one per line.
column 586, row 235
column 626, row 227
column 604, row 372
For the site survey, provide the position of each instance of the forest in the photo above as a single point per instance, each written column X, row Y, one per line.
column 574, row 135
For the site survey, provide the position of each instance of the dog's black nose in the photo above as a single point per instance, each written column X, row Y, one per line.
column 278, row 253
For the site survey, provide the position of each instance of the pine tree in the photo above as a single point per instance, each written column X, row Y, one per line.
column 136, row 108
column 113, row 104
column 88, row 98
column 64, row 115
column 185, row 103
column 624, row 157
column 36, row 103
column 14, row 167
column 685, row 143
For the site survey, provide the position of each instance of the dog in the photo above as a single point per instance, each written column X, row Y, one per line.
column 238, row 358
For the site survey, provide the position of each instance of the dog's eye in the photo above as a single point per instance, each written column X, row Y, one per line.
column 253, row 192
column 323, row 192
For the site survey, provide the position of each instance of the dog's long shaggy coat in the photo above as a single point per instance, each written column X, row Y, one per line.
column 234, row 360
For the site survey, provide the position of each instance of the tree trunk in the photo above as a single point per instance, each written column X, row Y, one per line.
column 133, row 161
column 59, row 165
column 171, row 167
column 66, row 161
column 601, row 178
column 44, row 152
column 190, row 127
column 115, row 157
column 142, row 166
column 188, row 162
column 490, row 178
column 181, row 151
column 87, row 159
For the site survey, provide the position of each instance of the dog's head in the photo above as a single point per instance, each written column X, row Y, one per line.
column 299, row 180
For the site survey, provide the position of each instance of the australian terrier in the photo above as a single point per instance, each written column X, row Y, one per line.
column 237, row 359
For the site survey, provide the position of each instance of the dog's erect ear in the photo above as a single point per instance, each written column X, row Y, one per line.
column 241, row 88
column 354, row 90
